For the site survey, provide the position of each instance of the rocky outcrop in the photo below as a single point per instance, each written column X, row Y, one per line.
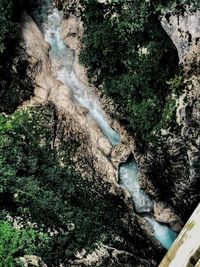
column 47, row 88
column 106, row 256
column 173, row 162
column 71, row 33
column 164, row 214
column 128, row 255
column 184, row 30
column 103, row 156
column 31, row 261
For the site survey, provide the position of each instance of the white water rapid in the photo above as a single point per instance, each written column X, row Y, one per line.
column 63, row 57
column 128, row 173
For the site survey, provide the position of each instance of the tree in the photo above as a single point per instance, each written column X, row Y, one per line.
column 127, row 51
column 16, row 243
column 39, row 177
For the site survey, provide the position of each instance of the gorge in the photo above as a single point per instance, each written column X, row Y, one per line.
column 63, row 58
column 100, row 161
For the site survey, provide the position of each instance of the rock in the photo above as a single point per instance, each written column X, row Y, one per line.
column 184, row 30
column 165, row 214
column 109, row 257
column 37, row 50
column 71, row 32
column 105, row 146
column 32, row 261
column 84, row 110
column 63, row 89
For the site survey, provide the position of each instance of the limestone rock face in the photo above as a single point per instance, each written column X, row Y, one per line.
column 184, row 30
column 71, row 32
column 47, row 88
column 173, row 163
column 37, row 50
column 105, row 256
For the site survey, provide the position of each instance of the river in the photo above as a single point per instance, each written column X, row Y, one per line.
column 63, row 57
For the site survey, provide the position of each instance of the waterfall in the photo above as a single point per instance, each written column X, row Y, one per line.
column 63, row 57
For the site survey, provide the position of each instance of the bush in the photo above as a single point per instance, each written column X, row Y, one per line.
column 9, row 29
column 126, row 50
column 16, row 243
column 49, row 190
column 15, row 86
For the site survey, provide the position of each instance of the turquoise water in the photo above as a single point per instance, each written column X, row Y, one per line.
column 128, row 173
column 63, row 57
column 163, row 233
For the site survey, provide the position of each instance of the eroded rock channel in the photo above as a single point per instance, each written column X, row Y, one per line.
column 58, row 78
column 62, row 59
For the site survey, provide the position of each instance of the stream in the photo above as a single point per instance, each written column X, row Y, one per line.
column 63, row 57
column 128, row 174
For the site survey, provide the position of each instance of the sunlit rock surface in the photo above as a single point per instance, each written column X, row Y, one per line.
column 184, row 30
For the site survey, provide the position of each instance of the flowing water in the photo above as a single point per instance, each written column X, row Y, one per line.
column 128, row 173
column 162, row 232
column 63, row 57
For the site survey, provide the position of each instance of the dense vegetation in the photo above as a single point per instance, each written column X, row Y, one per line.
column 40, row 183
column 128, row 53
column 15, row 243
column 47, row 207
column 15, row 85
column 57, row 209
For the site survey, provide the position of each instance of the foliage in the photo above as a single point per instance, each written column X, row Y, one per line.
column 9, row 28
column 168, row 116
column 39, row 9
column 126, row 50
column 15, row 86
column 5, row 22
column 15, row 83
column 15, row 243
column 177, row 84
column 42, row 184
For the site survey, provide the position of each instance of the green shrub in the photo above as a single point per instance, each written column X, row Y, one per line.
column 55, row 196
column 126, row 50
column 15, row 243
